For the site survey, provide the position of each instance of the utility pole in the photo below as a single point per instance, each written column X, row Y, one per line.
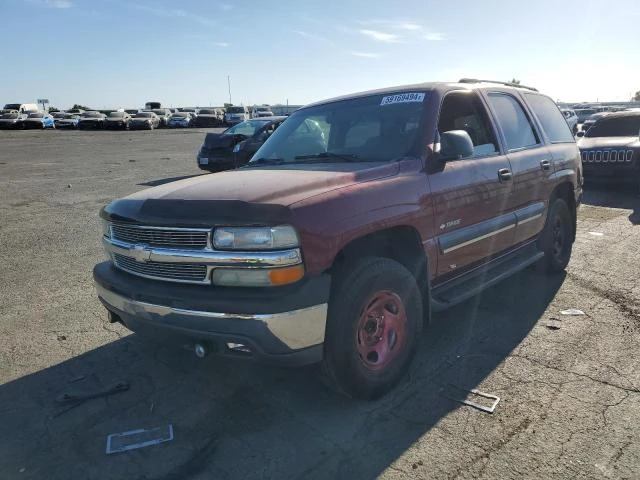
column 229, row 85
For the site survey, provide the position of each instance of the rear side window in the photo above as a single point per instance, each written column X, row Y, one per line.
column 516, row 126
column 552, row 121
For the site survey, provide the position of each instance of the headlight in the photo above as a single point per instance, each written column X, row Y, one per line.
column 260, row 238
column 106, row 228
column 236, row 149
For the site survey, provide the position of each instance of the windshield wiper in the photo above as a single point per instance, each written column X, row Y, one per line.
column 345, row 157
column 265, row 161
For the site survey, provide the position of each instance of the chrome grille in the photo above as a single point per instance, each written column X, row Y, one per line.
column 191, row 238
column 180, row 272
column 607, row 156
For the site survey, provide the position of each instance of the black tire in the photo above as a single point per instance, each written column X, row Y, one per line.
column 355, row 288
column 556, row 239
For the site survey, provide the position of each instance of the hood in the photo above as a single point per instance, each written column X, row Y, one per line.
column 112, row 119
column 10, row 120
column 179, row 119
column 241, row 196
column 602, row 142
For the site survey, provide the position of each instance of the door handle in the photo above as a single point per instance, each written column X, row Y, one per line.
column 545, row 164
column 504, row 174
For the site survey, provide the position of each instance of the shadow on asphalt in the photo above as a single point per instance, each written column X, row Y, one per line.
column 162, row 181
column 624, row 196
column 236, row 419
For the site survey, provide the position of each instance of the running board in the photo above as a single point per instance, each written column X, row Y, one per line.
column 470, row 284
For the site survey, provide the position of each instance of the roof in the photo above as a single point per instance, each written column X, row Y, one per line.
column 631, row 113
column 465, row 84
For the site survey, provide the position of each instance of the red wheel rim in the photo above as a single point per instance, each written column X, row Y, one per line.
column 382, row 330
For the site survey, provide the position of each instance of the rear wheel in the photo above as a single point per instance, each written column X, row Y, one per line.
column 374, row 323
column 556, row 239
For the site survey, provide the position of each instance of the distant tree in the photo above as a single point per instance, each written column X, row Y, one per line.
column 514, row 81
column 79, row 107
column 636, row 97
column 53, row 109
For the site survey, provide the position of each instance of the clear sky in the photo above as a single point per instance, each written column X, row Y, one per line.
column 121, row 53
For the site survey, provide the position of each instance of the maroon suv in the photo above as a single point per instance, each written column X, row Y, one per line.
column 355, row 220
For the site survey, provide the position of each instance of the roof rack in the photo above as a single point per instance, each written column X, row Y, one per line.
column 508, row 84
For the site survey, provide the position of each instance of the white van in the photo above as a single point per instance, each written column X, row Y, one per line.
column 22, row 107
column 235, row 115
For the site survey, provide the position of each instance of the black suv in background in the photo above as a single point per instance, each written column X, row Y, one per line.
column 610, row 149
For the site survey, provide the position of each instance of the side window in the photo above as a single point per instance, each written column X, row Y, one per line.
column 517, row 129
column 465, row 111
column 550, row 118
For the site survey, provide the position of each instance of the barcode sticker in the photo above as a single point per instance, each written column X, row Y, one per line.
column 402, row 98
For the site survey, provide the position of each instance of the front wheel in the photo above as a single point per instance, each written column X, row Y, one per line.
column 556, row 239
column 373, row 327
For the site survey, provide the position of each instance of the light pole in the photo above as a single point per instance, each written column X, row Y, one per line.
column 229, row 85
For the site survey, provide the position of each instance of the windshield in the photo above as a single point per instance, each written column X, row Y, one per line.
column 206, row 111
column 12, row 106
column 373, row 128
column 116, row 115
column 144, row 115
column 92, row 114
column 180, row 115
column 262, row 109
column 235, row 110
column 36, row 115
column 10, row 115
column 159, row 112
column 627, row 126
column 247, row 128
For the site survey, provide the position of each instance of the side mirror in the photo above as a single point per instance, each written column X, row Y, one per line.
column 580, row 133
column 455, row 144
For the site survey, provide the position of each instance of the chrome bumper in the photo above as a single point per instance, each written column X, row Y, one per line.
column 296, row 329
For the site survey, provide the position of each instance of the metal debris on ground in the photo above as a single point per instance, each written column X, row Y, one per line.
column 597, row 234
column 77, row 379
column 485, row 408
column 553, row 324
column 82, row 397
column 133, row 439
column 571, row 311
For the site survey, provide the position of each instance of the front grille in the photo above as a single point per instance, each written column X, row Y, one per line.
column 188, row 238
column 607, row 156
column 163, row 271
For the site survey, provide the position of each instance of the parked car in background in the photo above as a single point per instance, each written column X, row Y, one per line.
column 91, row 120
column 589, row 122
column 152, row 105
column 144, row 120
column 235, row 115
column 164, row 114
column 336, row 251
column 236, row 145
column 68, row 121
column 262, row 111
column 117, row 121
column 76, row 111
column 610, row 149
column 209, row 117
column 131, row 111
column 39, row 120
column 12, row 120
column 22, row 107
column 180, row 120
column 584, row 113
column 571, row 118
column 193, row 111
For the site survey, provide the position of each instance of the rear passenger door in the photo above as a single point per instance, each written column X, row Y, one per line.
column 531, row 162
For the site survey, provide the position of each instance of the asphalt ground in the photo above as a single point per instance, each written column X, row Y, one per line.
column 569, row 396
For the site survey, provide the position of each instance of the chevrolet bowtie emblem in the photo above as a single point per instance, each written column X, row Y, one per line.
column 140, row 252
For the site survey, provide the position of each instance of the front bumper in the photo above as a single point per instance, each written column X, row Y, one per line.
column 278, row 325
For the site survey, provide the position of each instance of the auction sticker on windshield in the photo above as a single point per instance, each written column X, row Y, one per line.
column 402, row 98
